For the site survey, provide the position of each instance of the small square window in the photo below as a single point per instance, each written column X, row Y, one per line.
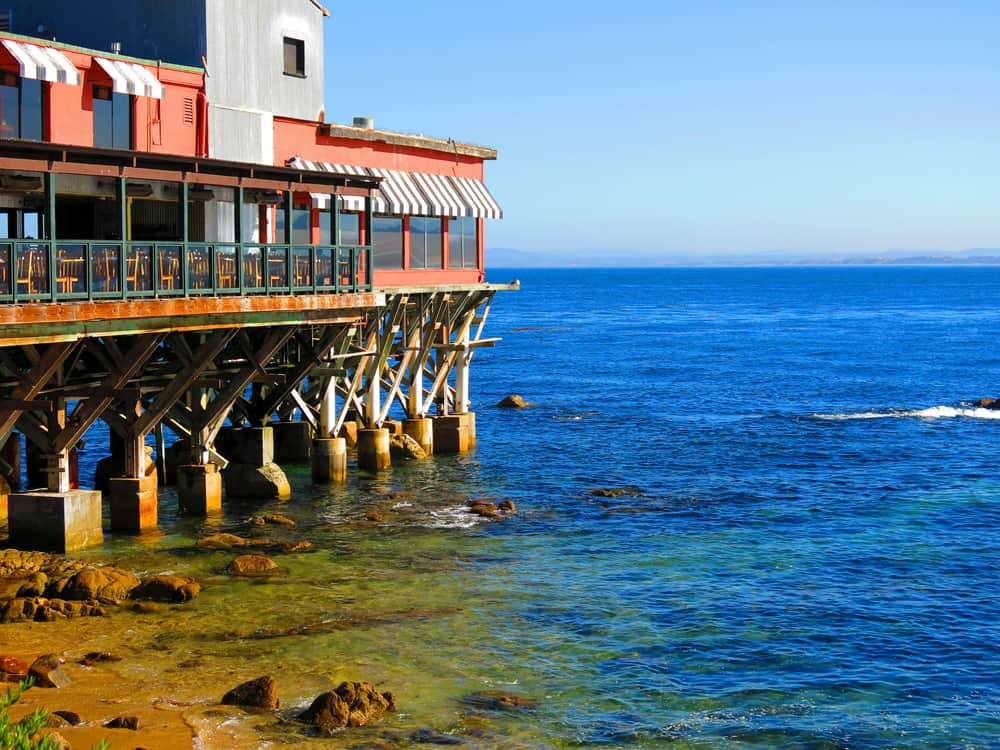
column 295, row 57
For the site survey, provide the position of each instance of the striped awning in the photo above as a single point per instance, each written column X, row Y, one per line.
column 42, row 63
column 129, row 78
column 481, row 201
column 414, row 193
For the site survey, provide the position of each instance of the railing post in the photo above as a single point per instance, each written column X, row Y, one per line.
column 238, row 235
column 123, row 226
column 88, row 254
column 183, row 196
column 50, row 208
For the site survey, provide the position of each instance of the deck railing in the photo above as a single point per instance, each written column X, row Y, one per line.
column 63, row 271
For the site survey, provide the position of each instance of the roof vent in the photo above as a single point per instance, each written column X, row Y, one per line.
column 367, row 123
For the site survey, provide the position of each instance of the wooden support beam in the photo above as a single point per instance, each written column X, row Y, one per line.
column 44, row 367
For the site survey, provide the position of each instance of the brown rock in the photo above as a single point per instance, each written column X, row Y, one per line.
column 55, row 721
column 71, row 717
column 405, row 447
column 222, row 541
column 352, row 704
column 167, row 588
column 252, row 565
column 257, row 482
column 301, row 546
column 105, row 584
column 274, row 518
column 123, row 722
column 47, row 671
column 514, row 401
column 147, row 608
column 615, row 491
column 18, row 610
column 259, row 693
column 494, row 700
column 484, row 509
column 988, row 403
column 55, row 740
column 507, row 506
column 12, row 670
column 98, row 656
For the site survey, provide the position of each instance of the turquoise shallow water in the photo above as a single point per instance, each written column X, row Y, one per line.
column 808, row 560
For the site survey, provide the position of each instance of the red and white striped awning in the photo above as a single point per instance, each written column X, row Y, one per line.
column 42, row 63
column 412, row 193
column 130, row 78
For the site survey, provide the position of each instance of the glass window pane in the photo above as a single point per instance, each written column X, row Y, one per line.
column 121, row 120
column 350, row 229
column 418, row 242
column 103, row 130
column 295, row 57
column 31, row 109
column 301, row 226
column 324, row 228
column 388, row 242
column 432, row 233
column 9, row 112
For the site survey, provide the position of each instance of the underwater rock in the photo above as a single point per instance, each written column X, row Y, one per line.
column 47, row 671
column 252, row 565
column 616, row 491
column 94, row 657
column 258, row 693
column 988, row 403
column 222, row 541
column 273, row 518
column 507, row 506
column 495, row 700
column 352, row 704
column 167, row 588
column 514, row 401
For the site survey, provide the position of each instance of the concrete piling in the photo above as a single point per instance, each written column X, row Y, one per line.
column 329, row 460
column 133, row 503
column 55, row 521
column 199, row 489
column 455, row 433
column 421, row 430
column 373, row 449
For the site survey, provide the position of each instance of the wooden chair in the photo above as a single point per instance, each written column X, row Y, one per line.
column 170, row 267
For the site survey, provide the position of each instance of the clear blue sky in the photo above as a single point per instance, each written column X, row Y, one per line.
column 677, row 128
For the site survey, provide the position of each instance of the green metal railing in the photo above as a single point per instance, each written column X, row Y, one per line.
column 67, row 270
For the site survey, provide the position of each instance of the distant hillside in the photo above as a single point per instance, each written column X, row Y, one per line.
column 503, row 257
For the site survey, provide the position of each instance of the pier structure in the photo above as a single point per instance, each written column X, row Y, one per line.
column 261, row 286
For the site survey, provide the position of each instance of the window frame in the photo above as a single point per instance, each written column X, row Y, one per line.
column 468, row 244
column 114, row 97
column 379, row 249
column 420, row 239
column 15, row 81
column 298, row 67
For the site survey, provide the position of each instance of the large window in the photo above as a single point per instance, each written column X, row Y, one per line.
column 425, row 242
column 350, row 233
column 295, row 57
column 112, row 118
column 20, row 107
column 463, row 250
column 388, row 242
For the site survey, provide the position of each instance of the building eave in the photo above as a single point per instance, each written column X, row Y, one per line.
column 405, row 139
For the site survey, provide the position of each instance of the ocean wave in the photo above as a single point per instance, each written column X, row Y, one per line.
column 934, row 412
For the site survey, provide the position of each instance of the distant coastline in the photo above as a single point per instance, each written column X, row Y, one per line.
column 511, row 258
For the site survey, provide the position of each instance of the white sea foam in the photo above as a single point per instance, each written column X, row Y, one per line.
column 455, row 517
column 934, row 412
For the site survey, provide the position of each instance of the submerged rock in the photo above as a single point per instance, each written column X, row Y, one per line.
column 352, row 704
column 272, row 518
column 105, row 584
column 259, row 693
column 616, row 491
column 223, row 541
column 495, row 700
column 988, row 403
column 252, row 565
column 167, row 588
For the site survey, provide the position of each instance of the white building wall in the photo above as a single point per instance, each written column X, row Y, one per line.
column 246, row 78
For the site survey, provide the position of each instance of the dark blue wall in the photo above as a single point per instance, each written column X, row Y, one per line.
column 168, row 30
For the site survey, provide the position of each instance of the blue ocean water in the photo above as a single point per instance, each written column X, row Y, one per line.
column 806, row 558
column 809, row 558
